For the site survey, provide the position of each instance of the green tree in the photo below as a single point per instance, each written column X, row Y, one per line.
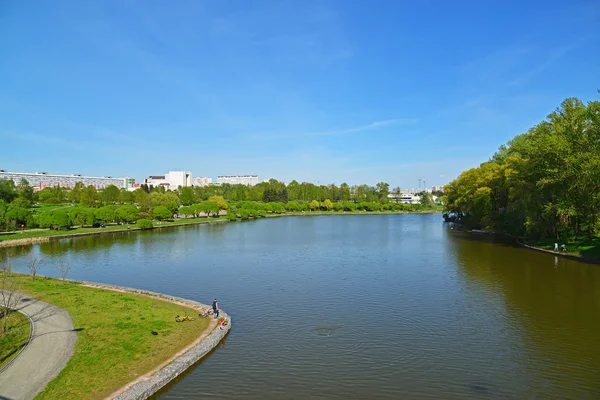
column 127, row 213
column 144, row 224
column 219, row 201
column 187, row 195
column 314, row 205
column 327, row 205
column 81, row 216
column 162, row 213
column 17, row 214
column 8, row 191
column 110, row 195
column 105, row 214
column 55, row 219
column 74, row 194
column 89, row 197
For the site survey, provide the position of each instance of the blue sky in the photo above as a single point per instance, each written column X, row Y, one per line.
column 321, row 91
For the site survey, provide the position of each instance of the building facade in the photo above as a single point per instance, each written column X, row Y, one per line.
column 238, row 179
column 437, row 188
column 40, row 180
column 171, row 180
column 201, row 181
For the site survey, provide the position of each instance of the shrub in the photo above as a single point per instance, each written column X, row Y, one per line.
column 231, row 216
column 144, row 224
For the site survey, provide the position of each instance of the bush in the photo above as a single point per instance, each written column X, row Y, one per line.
column 144, row 224
column 231, row 217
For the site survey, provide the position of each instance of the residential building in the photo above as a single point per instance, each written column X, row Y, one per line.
column 40, row 180
column 238, row 179
column 201, row 181
column 437, row 188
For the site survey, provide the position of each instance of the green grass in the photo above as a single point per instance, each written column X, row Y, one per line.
column 15, row 338
column 108, row 228
column 114, row 344
column 582, row 247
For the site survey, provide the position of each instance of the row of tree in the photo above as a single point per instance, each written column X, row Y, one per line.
column 542, row 184
column 16, row 201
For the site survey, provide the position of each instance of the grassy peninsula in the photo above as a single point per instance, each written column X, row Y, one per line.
column 115, row 344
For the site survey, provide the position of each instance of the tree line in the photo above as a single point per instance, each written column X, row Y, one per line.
column 88, row 206
column 544, row 183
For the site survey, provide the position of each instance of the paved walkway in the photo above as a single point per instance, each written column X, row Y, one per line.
column 49, row 349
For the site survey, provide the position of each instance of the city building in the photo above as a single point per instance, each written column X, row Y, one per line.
column 40, row 180
column 437, row 188
column 171, row 180
column 238, row 179
column 201, row 181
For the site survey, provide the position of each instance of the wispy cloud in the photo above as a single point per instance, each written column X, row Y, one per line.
column 361, row 128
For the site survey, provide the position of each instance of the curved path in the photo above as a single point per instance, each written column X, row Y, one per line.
column 50, row 347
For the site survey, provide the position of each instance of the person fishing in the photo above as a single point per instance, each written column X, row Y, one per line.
column 215, row 307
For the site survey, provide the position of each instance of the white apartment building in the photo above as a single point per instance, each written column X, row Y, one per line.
column 40, row 180
column 205, row 181
column 437, row 188
column 238, row 179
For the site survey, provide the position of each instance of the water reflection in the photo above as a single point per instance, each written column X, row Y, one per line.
column 552, row 305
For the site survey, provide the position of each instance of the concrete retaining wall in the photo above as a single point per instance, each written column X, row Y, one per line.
column 146, row 388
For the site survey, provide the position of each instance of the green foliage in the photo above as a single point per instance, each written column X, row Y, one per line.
column 144, row 224
column 110, row 195
column 17, row 214
column 327, row 205
column 89, row 197
column 231, row 217
column 186, row 211
column 127, row 213
column 162, row 213
column 105, row 214
column 8, row 191
column 55, row 219
column 542, row 184
column 81, row 216
column 187, row 196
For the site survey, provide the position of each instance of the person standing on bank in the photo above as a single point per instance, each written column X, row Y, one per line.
column 215, row 308
column 555, row 246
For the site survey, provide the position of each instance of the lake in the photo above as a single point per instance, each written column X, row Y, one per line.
column 363, row 307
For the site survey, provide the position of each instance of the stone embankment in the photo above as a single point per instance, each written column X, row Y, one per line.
column 147, row 385
column 23, row 242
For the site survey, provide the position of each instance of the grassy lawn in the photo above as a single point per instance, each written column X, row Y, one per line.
column 15, row 337
column 582, row 247
column 115, row 343
column 108, row 228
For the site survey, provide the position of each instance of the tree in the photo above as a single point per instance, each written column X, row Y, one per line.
column 17, row 214
column 327, row 205
column 55, row 219
column 127, row 213
column 219, row 201
column 187, row 195
column 382, row 190
column 34, row 263
column 105, row 214
column 63, row 267
column 426, row 200
column 314, row 205
column 8, row 191
column 186, row 211
column 162, row 213
column 110, row 195
column 208, row 207
column 9, row 296
column 144, row 224
column 81, row 216
column 89, row 197
column 74, row 194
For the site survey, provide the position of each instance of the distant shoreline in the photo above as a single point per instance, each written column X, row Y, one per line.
column 43, row 236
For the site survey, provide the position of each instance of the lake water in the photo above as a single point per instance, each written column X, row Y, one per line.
column 364, row 307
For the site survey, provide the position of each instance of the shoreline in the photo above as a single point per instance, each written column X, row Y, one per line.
column 221, row 219
column 522, row 243
column 148, row 384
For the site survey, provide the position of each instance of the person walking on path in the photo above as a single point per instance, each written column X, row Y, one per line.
column 215, row 308
column 555, row 246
